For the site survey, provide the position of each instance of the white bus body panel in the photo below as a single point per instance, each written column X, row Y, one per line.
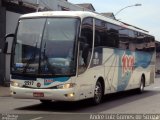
column 120, row 69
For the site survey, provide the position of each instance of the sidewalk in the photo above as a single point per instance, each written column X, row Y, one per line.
column 4, row 91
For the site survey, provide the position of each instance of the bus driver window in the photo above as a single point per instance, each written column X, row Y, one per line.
column 86, row 44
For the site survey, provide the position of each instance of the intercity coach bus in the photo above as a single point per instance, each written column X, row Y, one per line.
column 75, row 55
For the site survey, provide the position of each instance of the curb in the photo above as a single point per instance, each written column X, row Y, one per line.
column 5, row 91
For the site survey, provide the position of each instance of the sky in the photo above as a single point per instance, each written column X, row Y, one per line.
column 146, row 16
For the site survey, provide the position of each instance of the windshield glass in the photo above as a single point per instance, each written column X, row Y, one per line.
column 45, row 46
column 27, row 46
column 58, row 54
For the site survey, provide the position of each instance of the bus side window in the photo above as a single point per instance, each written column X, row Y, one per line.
column 86, row 45
column 85, row 51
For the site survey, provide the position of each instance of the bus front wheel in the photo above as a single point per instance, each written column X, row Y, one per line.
column 98, row 93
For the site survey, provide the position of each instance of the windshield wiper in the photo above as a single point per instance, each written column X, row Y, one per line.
column 32, row 58
column 48, row 65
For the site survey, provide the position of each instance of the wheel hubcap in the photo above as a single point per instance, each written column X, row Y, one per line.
column 98, row 93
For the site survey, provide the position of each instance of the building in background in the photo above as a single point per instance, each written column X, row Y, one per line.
column 10, row 10
column 87, row 6
column 109, row 14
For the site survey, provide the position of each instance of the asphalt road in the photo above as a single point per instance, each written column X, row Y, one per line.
column 120, row 103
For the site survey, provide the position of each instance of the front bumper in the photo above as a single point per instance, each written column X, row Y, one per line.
column 49, row 94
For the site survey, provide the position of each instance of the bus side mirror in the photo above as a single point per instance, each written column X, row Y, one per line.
column 5, row 49
column 9, row 35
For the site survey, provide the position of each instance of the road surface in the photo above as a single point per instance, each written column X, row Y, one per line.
column 120, row 103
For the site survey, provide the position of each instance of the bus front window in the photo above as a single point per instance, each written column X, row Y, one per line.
column 58, row 55
column 26, row 50
column 46, row 46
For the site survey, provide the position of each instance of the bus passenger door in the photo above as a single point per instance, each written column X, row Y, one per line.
column 84, row 58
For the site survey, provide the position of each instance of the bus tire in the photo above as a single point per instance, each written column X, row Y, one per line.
column 142, row 85
column 98, row 93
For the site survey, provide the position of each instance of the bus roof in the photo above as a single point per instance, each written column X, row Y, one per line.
column 82, row 14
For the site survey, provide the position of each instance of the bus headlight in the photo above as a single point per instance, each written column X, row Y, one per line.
column 15, row 84
column 66, row 86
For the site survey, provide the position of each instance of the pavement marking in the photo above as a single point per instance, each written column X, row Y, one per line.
column 37, row 118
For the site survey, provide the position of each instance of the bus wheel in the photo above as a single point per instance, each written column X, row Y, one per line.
column 142, row 85
column 98, row 93
column 45, row 101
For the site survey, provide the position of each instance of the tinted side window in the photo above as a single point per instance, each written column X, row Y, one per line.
column 85, row 48
column 140, row 41
column 112, row 36
column 144, row 42
column 123, row 38
column 149, row 44
column 100, row 33
column 106, row 34
column 131, row 40
column 87, row 31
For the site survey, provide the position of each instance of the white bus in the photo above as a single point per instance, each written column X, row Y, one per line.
column 75, row 55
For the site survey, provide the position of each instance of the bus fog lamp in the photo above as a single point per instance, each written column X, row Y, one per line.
column 69, row 95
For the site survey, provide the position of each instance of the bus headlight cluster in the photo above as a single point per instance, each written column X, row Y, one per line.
column 16, row 84
column 66, row 86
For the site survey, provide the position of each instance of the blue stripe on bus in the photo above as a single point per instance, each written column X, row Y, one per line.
column 123, row 78
column 48, row 81
column 141, row 60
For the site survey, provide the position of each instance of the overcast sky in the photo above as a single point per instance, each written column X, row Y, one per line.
column 146, row 16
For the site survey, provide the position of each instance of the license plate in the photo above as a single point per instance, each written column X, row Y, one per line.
column 38, row 94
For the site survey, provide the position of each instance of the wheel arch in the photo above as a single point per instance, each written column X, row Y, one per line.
column 143, row 75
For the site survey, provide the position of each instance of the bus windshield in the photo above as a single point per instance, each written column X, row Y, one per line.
column 45, row 46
